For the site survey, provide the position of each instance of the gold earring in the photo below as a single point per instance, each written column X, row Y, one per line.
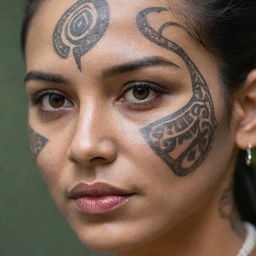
column 249, row 155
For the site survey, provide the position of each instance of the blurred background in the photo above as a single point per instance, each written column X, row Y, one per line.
column 30, row 224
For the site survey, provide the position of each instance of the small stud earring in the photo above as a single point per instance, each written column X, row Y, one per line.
column 249, row 155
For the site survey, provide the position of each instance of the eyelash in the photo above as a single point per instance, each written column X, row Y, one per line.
column 37, row 97
column 159, row 90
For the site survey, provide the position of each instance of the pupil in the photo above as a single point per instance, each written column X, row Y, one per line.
column 56, row 101
column 140, row 93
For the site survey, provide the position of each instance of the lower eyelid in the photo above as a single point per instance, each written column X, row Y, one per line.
column 53, row 112
column 144, row 106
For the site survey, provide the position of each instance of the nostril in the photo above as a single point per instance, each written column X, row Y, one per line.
column 98, row 159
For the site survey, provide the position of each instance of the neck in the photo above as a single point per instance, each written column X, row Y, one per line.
column 215, row 229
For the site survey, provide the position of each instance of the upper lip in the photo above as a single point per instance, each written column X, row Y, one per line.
column 96, row 190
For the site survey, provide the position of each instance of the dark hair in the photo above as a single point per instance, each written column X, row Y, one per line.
column 227, row 28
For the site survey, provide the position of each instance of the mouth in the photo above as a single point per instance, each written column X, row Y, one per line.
column 98, row 198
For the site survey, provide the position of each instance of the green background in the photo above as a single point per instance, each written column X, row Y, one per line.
column 30, row 223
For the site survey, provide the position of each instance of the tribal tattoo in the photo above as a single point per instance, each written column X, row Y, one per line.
column 80, row 28
column 228, row 211
column 194, row 125
column 36, row 142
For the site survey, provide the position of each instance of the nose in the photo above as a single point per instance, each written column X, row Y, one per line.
column 93, row 141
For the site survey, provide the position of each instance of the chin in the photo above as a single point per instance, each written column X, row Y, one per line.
column 108, row 245
column 111, row 241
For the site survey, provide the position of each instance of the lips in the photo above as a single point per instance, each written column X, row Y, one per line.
column 98, row 198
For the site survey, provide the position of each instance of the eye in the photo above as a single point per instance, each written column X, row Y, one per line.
column 140, row 93
column 55, row 101
column 52, row 101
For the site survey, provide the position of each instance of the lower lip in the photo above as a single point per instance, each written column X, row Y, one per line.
column 101, row 204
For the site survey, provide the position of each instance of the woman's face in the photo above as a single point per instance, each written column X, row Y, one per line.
column 122, row 96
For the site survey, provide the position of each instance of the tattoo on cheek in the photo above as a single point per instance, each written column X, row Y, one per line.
column 36, row 142
column 184, row 138
column 80, row 28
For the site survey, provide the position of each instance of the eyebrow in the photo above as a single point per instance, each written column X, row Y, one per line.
column 41, row 76
column 112, row 71
column 138, row 64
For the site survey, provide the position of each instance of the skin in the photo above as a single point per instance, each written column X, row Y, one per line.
column 98, row 134
column 193, row 126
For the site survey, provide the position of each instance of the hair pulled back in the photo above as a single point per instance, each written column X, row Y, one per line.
column 228, row 29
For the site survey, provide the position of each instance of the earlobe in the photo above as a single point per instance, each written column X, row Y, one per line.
column 246, row 130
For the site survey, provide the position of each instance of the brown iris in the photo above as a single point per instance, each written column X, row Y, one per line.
column 56, row 101
column 141, row 93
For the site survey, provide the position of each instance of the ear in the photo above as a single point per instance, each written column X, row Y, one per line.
column 246, row 99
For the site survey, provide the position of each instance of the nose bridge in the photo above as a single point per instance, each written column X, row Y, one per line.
column 92, row 138
column 90, row 117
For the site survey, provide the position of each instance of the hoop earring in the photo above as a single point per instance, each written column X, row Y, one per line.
column 249, row 155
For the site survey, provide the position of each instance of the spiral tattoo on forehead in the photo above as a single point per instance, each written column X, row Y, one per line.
column 182, row 139
column 80, row 28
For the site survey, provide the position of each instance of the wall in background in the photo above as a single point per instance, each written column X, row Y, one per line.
column 30, row 223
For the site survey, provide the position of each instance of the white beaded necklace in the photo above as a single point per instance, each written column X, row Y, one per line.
column 249, row 242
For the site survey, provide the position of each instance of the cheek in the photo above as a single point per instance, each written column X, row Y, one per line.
column 180, row 196
column 164, row 194
column 52, row 164
column 168, row 198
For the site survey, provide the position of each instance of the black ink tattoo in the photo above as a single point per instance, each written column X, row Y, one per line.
column 36, row 142
column 194, row 125
column 80, row 28
column 228, row 211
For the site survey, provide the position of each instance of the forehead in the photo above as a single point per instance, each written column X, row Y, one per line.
column 121, row 35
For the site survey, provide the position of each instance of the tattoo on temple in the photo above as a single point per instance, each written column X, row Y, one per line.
column 80, row 28
column 228, row 211
column 36, row 142
column 193, row 126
